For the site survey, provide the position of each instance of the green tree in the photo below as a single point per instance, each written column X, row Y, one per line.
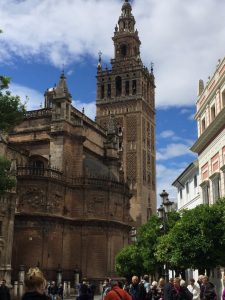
column 129, row 261
column 140, row 257
column 148, row 237
column 196, row 240
column 7, row 181
column 12, row 112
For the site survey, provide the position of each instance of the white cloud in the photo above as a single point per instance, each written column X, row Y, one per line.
column 176, row 35
column 185, row 111
column 191, row 117
column 167, row 134
column 35, row 100
column 171, row 135
column 32, row 98
column 69, row 72
column 173, row 150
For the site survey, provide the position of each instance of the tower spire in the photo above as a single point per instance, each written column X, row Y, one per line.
column 99, row 60
column 61, row 89
column 126, row 20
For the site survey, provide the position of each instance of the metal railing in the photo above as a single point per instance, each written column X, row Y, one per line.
column 106, row 182
column 38, row 113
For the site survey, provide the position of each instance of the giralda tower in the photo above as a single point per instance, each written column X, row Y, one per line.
column 126, row 92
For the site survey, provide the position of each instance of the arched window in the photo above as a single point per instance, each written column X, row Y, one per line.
column 127, row 88
column 134, row 87
column 123, row 50
column 38, row 167
column 102, row 91
column 118, row 86
column 109, row 90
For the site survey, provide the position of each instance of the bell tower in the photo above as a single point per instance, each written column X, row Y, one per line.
column 127, row 91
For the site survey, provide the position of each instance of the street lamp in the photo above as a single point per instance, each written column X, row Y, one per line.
column 133, row 235
column 163, row 211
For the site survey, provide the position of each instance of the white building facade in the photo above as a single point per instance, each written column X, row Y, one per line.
column 210, row 145
column 187, row 185
column 203, row 181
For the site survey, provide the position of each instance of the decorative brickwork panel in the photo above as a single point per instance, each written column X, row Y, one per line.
column 132, row 167
column 143, row 131
column 144, row 165
column 153, row 172
column 148, row 136
column 131, row 128
column 152, row 138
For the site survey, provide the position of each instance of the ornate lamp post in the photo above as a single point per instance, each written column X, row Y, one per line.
column 163, row 211
column 133, row 235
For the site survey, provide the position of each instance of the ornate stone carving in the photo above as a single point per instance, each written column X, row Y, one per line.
column 96, row 205
column 34, row 197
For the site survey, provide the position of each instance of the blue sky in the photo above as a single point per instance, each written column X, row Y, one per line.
column 184, row 39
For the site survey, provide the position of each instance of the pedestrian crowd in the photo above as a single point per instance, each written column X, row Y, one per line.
column 37, row 288
column 175, row 289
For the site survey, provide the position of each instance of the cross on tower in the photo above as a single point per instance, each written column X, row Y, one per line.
column 100, row 56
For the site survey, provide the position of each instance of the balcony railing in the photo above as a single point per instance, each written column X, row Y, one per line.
column 38, row 113
column 94, row 180
column 41, row 172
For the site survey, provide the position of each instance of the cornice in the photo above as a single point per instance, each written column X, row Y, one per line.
column 204, row 183
column 71, row 221
column 210, row 133
column 214, row 176
column 186, row 174
column 212, row 92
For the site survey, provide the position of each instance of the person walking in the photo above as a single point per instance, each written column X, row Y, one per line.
column 84, row 295
column 194, row 289
column 106, row 287
column 116, row 293
column 4, row 291
column 207, row 290
column 52, row 290
column 60, row 291
column 179, row 292
column 161, row 285
column 167, row 289
column 155, row 291
column 35, row 284
column 146, row 283
column 223, row 293
column 137, row 290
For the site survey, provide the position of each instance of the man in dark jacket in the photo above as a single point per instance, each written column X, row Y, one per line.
column 207, row 290
column 4, row 291
column 137, row 290
column 167, row 289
